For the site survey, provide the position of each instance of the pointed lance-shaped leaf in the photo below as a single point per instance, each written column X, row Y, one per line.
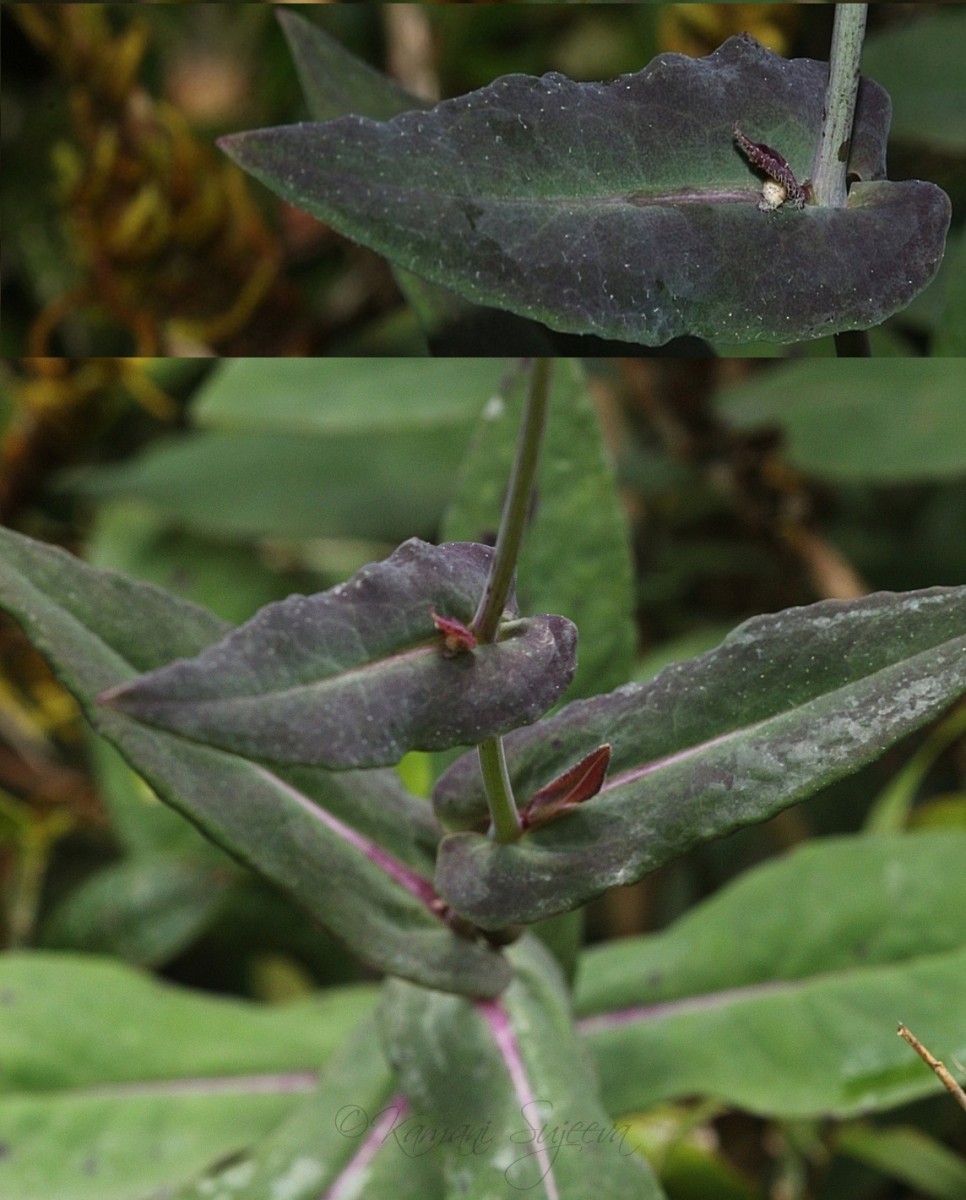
column 836, row 938
column 510, row 1075
column 334, row 81
column 354, row 850
column 625, row 209
column 786, row 705
column 360, row 674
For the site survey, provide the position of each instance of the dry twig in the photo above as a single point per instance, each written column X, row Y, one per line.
column 933, row 1062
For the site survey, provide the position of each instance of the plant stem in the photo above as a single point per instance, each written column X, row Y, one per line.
column 516, row 506
column 832, row 155
column 499, row 791
column 504, row 815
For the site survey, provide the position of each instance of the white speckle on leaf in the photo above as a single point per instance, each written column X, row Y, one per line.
column 494, row 408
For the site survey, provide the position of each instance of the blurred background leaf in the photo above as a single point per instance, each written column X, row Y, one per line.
column 141, row 1085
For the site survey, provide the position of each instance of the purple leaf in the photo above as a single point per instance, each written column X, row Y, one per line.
column 355, row 850
column 787, row 704
column 625, row 209
column 358, row 675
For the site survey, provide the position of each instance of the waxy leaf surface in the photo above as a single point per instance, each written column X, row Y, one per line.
column 358, row 675
column 355, row 851
column 781, row 993
column 624, row 209
column 502, row 1095
column 785, row 706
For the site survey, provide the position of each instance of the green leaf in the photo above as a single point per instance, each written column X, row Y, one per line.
column 139, row 1085
column 310, row 448
column 340, row 1141
column 230, row 579
column 907, row 1154
column 145, row 910
column 576, row 556
column 357, row 676
column 502, row 1094
column 334, row 81
column 919, row 63
column 785, row 706
column 624, row 209
column 781, row 993
column 354, row 851
column 343, row 396
column 258, row 483
column 880, row 421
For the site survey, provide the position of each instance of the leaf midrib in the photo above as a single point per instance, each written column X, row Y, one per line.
column 633, row 199
column 613, row 1019
column 632, row 774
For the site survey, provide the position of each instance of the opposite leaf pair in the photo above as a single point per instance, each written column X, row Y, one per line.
column 785, row 706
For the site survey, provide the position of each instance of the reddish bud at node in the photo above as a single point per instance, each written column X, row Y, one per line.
column 457, row 637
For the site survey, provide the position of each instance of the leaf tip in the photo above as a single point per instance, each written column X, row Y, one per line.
column 109, row 697
column 122, row 697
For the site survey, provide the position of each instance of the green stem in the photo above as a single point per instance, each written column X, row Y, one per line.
column 496, row 780
column 517, row 504
column 499, row 791
column 832, row 155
